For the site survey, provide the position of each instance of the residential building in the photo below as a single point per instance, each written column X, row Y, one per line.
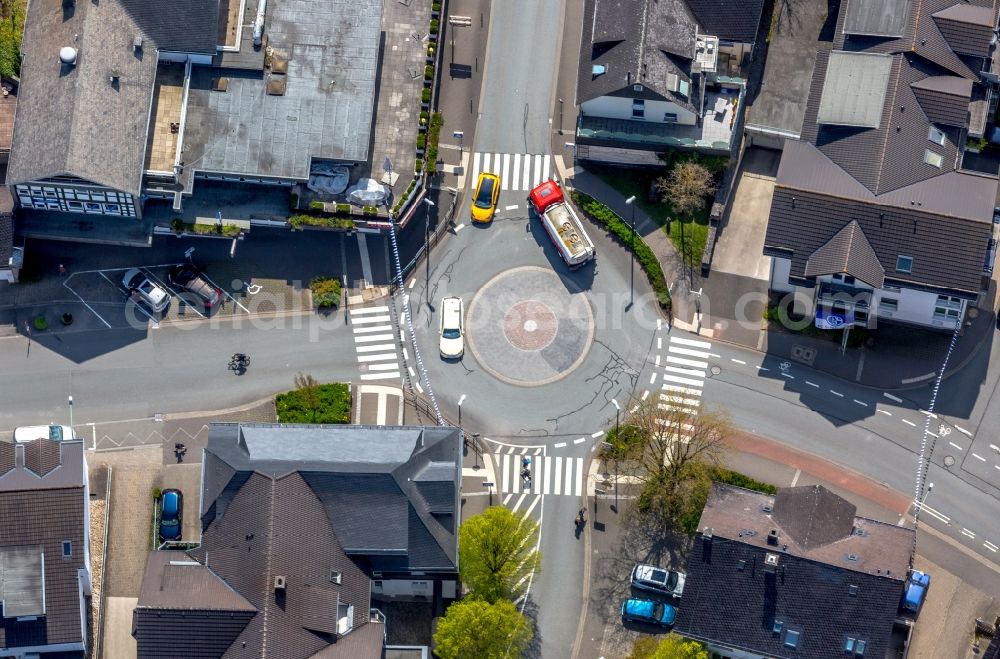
column 45, row 578
column 304, row 529
column 125, row 100
column 797, row 574
column 879, row 210
column 656, row 74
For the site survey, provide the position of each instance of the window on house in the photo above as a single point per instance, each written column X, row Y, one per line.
column 638, row 108
column 932, row 158
column 791, row 639
column 670, row 117
column 637, row 88
column 904, row 264
column 847, row 279
column 936, row 135
column 948, row 307
column 67, row 548
column 859, row 648
column 888, row 304
column 75, row 205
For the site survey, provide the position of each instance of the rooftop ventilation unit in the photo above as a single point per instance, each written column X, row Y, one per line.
column 279, row 583
column 770, row 563
column 772, row 538
column 67, row 55
column 137, row 43
column 258, row 24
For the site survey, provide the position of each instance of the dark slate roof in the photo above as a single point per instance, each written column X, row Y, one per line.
column 648, row 41
column 35, row 522
column 944, row 99
column 847, row 252
column 174, row 581
column 406, row 476
column 948, row 252
column 6, row 230
column 993, row 651
column 73, row 120
column 731, row 600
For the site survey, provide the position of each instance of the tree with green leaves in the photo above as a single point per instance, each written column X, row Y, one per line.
column 671, row 646
column 476, row 628
column 497, row 552
column 308, row 389
column 12, row 13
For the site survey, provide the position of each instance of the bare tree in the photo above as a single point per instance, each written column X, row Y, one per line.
column 308, row 388
column 671, row 453
column 687, row 187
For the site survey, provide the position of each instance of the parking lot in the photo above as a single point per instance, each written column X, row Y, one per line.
column 115, row 306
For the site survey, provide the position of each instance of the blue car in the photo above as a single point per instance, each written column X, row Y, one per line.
column 172, row 503
column 648, row 611
column 915, row 591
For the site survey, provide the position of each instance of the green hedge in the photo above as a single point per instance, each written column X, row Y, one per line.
column 316, row 206
column 421, row 141
column 621, row 230
column 425, row 96
column 325, row 292
column 402, row 199
column 433, row 134
column 333, row 405
column 428, row 72
column 434, row 26
column 326, row 221
column 370, row 210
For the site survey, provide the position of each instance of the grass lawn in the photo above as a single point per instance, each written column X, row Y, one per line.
column 332, row 405
column 637, row 182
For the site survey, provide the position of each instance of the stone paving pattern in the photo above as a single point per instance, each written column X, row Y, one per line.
column 405, row 25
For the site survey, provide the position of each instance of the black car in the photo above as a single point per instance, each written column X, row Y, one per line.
column 171, row 514
column 197, row 289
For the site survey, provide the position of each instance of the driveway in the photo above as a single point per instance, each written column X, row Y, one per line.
column 741, row 243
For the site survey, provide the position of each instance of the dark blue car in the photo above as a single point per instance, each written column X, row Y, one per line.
column 172, row 503
column 648, row 611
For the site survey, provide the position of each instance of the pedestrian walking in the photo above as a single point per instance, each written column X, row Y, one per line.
column 62, row 270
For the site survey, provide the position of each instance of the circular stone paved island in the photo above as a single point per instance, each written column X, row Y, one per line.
column 529, row 327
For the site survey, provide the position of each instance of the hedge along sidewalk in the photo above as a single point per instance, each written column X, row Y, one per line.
column 622, row 232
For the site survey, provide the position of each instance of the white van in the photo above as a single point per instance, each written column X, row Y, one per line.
column 30, row 433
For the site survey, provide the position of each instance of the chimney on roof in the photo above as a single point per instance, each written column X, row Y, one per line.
column 137, row 43
column 772, row 538
column 279, row 584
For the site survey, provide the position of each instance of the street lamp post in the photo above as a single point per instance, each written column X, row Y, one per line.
column 460, row 401
column 631, row 297
column 618, row 412
column 560, row 116
column 427, row 247
column 71, row 412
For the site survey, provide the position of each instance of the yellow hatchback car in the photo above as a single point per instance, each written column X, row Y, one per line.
column 484, row 202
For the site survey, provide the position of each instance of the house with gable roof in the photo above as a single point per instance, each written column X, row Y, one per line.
column 879, row 212
column 797, row 574
column 304, row 529
column 45, row 575
column 658, row 74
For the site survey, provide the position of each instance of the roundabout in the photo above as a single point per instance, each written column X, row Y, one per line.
column 527, row 327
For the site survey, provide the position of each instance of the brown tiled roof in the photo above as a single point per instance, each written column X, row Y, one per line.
column 967, row 28
column 173, row 581
column 7, row 452
column 43, row 518
column 848, row 252
column 944, row 99
column 42, row 455
column 8, row 106
column 32, row 460
column 813, row 515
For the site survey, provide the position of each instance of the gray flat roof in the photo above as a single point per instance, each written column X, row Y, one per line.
column 881, row 18
column 326, row 111
column 21, row 583
column 854, row 89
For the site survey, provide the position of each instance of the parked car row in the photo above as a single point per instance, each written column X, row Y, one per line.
column 667, row 583
column 192, row 287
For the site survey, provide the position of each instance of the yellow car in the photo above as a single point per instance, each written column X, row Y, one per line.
column 484, row 202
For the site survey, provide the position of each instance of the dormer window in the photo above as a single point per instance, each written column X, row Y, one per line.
column 637, row 88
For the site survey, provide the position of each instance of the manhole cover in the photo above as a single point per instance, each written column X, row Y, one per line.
column 949, row 461
column 716, row 369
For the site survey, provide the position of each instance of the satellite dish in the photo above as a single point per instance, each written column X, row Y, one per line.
column 67, row 55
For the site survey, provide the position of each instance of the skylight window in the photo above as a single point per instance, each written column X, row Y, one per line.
column 932, row 158
column 936, row 135
column 792, row 639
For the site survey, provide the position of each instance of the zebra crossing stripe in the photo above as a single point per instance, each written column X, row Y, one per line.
column 367, row 320
column 685, row 371
column 506, row 469
column 368, row 338
column 383, row 367
column 688, row 351
column 525, row 180
column 366, row 329
column 546, row 473
column 686, row 362
column 579, row 476
column 504, row 181
column 690, row 342
column 545, row 168
column 691, row 381
column 475, row 167
column 538, row 171
column 682, row 390
column 377, row 358
column 375, row 348
column 517, row 168
column 679, row 400
column 363, row 310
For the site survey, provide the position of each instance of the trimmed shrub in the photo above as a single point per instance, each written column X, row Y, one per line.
column 421, row 141
column 328, row 403
column 316, row 206
column 324, row 221
column 343, row 208
column 433, row 134
column 730, row 477
column 325, row 292
column 436, row 6
column 425, row 96
column 622, row 231
column 370, row 210
column 435, row 25
column 418, row 166
column 429, row 72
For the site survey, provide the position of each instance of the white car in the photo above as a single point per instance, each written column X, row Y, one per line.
column 154, row 296
column 452, row 328
column 658, row 580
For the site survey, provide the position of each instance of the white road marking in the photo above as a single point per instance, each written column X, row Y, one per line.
column 892, row 398
column 979, row 457
column 659, row 343
column 989, row 545
column 365, row 320
column 812, row 384
column 933, row 513
column 538, row 171
column 369, row 338
column 569, row 475
column 546, row 476
column 677, row 400
column 377, row 358
column 459, row 228
column 682, row 390
column 383, row 376
column 511, row 207
column 546, row 165
column 787, row 375
column 375, row 348
column 557, row 477
column 652, row 378
column 412, row 282
column 908, row 422
column 526, row 173
column 684, row 371
column 520, row 500
column 690, row 342
column 738, row 361
column 963, row 431
column 534, row 502
column 954, row 445
column 360, row 311
column 504, row 179
column 385, row 367
column 475, row 167
column 377, row 328
column 863, row 404
column 559, row 445
column 597, row 434
column 688, row 351
column 579, row 477
column 967, row 532
column 930, row 414
column 657, row 360
column 579, row 440
column 836, row 393
column 419, row 388
column 691, row 381
column 517, row 168
column 686, row 362
column 885, row 413
column 761, row 368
